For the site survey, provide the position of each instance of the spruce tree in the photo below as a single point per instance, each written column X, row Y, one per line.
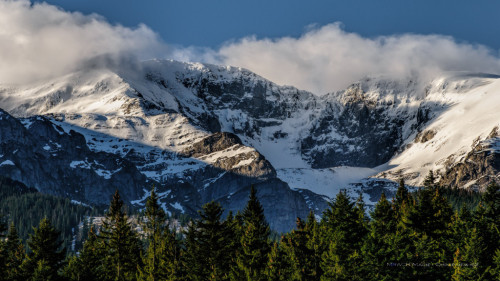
column 153, row 226
column 469, row 266
column 486, row 222
column 15, row 255
column 430, row 180
column 206, row 256
column 378, row 249
column 3, row 251
column 161, row 260
column 252, row 257
column 315, row 246
column 121, row 244
column 345, row 231
column 46, row 257
column 278, row 266
column 89, row 264
column 298, row 253
column 402, row 197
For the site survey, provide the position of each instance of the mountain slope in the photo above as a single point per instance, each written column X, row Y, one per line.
column 205, row 132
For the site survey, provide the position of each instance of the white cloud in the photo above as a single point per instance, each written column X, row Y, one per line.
column 40, row 40
column 328, row 58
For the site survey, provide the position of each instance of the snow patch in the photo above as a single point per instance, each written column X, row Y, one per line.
column 7, row 163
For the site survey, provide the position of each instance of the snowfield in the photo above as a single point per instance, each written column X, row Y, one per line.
column 155, row 113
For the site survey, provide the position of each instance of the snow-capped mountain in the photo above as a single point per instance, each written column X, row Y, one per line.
column 203, row 132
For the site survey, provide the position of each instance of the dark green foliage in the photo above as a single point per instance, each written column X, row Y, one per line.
column 345, row 230
column 162, row 258
column 45, row 257
column 255, row 245
column 417, row 236
column 298, row 253
column 88, row 265
column 208, row 255
column 378, row 248
column 121, row 244
column 14, row 255
column 27, row 209
column 459, row 198
column 278, row 266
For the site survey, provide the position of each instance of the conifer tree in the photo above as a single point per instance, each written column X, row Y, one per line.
column 46, row 257
column 315, row 246
column 278, row 266
column 43, row 272
column 154, row 226
column 298, row 253
column 161, row 260
column 487, row 225
column 345, row 232
column 468, row 266
column 402, row 197
column 495, row 269
column 233, row 242
column 430, row 180
column 89, row 264
column 253, row 255
column 121, row 244
column 378, row 250
column 206, row 256
column 431, row 214
column 3, row 251
column 15, row 255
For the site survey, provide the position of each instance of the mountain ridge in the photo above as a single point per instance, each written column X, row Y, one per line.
column 166, row 118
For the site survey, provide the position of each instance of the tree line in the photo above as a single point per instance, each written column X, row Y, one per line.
column 415, row 236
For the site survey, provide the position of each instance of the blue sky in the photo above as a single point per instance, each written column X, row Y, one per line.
column 213, row 22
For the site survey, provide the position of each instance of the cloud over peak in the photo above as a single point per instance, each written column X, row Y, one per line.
column 328, row 58
column 40, row 40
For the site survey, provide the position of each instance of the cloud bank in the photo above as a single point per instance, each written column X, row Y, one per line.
column 39, row 41
column 328, row 58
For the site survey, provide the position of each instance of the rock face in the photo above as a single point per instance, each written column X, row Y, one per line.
column 277, row 194
column 57, row 162
column 365, row 135
column 203, row 132
column 479, row 167
column 41, row 155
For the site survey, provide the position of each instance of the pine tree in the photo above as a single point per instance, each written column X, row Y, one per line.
column 491, row 201
column 315, row 246
column 207, row 249
column 154, row 226
column 278, row 266
column 345, row 231
column 378, row 249
column 298, row 253
column 46, row 257
column 430, row 180
column 89, row 264
column 233, row 242
column 43, row 272
column 402, row 197
column 3, row 251
column 15, row 255
column 431, row 215
column 468, row 265
column 486, row 223
column 495, row 269
column 252, row 258
column 121, row 244
column 161, row 260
